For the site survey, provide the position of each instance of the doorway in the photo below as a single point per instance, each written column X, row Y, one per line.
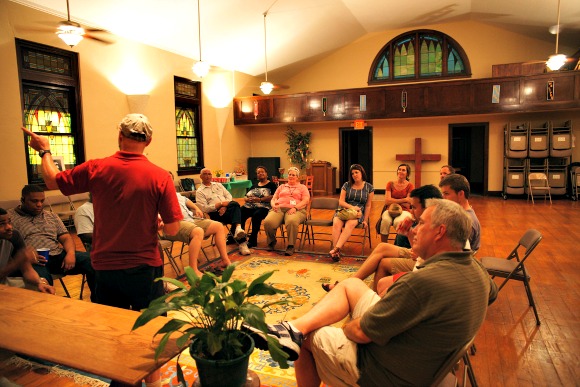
column 356, row 147
column 468, row 150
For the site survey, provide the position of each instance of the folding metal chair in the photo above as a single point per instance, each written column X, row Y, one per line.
column 511, row 268
column 445, row 377
column 538, row 182
column 307, row 230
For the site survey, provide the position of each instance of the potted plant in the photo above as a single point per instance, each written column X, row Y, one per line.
column 212, row 311
column 298, row 147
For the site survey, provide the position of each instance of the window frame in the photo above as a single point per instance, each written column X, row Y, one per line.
column 415, row 35
column 193, row 102
column 49, row 80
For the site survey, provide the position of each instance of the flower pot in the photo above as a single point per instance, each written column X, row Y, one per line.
column 225, row 373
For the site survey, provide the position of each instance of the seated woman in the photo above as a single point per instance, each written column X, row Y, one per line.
column 258, row 203
column 358, row 195
column 289, row 207
column 397, row 192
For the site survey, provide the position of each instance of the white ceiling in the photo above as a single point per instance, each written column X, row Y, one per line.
column 298, row 31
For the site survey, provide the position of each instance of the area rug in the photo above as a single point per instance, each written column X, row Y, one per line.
column 301, row 275
column 44, row 367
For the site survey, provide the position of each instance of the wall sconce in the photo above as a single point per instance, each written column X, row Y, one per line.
column 137, row 102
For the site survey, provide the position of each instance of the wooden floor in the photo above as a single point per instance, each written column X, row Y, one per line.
column 511, row 349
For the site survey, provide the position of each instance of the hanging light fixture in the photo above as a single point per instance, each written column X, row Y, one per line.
column 266, row 86
column 70, row 32
column 556, row 61
column 200, row 68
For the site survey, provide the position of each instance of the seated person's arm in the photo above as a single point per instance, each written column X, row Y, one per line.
column 195, row 209
column 368, row 206
column 353, row 332
column 25, row 256
column 302, row 204
column 69, row 247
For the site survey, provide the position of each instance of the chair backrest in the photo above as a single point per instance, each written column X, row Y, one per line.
column 448, row 365
column 529, row 241
column 310, row 183
column 538, row 179
column 324, row 204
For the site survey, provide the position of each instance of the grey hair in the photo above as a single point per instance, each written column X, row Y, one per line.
column 456, row 221
column 294, row 169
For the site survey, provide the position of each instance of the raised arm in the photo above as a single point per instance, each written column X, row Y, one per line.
column 49, row 170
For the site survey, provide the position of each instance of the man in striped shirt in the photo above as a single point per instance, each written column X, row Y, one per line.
column 43, row 229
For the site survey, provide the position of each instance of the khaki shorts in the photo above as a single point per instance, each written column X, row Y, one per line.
column 334, row 354
column 399, row 265
column 185, row 228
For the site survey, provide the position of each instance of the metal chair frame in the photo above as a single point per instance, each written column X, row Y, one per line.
column 446, row 374
column 539, row 177
column 513, row 266
column 307, row 229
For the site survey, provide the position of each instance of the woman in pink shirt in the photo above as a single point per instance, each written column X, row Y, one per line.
column 289, row 207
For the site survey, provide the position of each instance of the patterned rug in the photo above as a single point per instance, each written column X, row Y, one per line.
column 302, row 276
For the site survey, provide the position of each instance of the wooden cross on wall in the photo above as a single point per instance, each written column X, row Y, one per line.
column 417, row 157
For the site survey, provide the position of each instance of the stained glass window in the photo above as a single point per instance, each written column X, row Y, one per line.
column 188, row 126
column 49, row 106
column 417, row 55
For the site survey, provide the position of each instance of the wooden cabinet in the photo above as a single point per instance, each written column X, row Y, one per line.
column 324, row 178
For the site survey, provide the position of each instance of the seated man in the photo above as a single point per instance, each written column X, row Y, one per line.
column 194, row 228
column 85, row 221
column 214, row 199
column 455, row 187
column 415, row 322
column 44, row 229
column 15, row 259
column 406, row 261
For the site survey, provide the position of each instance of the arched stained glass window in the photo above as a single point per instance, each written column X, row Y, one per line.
column 188, row 126
column 419, row 55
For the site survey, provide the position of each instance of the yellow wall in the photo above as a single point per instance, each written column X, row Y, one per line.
column 108, row 71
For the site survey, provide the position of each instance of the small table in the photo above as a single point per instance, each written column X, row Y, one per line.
column 238, row 188
column 78, row 334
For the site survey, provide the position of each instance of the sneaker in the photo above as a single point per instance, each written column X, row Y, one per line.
column 240, row 235
column 289, row 250
column 290, row 340
column 169, row 287
column 244, row 250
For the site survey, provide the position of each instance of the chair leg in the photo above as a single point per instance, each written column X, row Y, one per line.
column 64, row 287
column 469, row 371
column 531, row 300
column 83, row 281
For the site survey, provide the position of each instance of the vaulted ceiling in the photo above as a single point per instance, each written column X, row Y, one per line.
column 298, row 31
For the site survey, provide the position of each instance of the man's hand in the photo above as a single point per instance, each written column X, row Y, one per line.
column 222, row 211
column 40, row 260
column 199, row 213
column 37, row 142
column 69, row 261
column 45, row 288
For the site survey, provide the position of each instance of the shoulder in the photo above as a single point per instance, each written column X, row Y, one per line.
column 410, row 186
column 369, row 187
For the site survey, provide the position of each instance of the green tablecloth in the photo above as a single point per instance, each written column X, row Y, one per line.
column 238, row 188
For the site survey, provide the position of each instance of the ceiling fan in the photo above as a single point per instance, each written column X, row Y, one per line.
column 267, row 86
column 72, row 33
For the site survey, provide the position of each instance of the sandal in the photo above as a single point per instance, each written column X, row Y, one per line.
column 327, row 286
column 335, row 254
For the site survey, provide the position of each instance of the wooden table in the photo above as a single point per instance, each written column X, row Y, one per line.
column 89, row 337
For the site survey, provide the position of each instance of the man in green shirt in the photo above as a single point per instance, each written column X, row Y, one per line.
column 403, row 337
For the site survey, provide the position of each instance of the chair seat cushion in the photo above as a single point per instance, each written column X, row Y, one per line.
column 501, row 267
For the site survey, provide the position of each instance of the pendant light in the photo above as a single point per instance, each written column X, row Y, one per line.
column 200, row 68
column 266, row 86
column 70, row 32
column 556, row 61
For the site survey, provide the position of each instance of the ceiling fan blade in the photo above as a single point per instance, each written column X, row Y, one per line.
column 98, row 39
